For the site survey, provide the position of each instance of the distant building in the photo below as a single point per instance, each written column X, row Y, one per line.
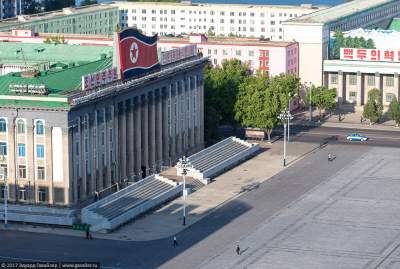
column 273, row 57
column 360, row 70
column 313, row 31
column 242, row 20
column 89, row 20
column 10, row 8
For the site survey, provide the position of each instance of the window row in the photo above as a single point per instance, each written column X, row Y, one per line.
column 22, row 150
column 21, row 126
column 22, row 174
column 389, row 81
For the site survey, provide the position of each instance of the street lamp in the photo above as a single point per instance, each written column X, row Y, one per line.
column 185, row 165
column 288, row 123
column 4, row 177
column 285, row 116
column 310, row 102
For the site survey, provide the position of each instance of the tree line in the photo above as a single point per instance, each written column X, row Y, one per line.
column 373, row 109
column 238, row 98
column 341, row 41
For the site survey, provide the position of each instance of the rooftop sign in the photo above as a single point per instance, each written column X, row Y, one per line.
column 370, row 55
column 178, row 54
column 100, row 78
column 28, row 89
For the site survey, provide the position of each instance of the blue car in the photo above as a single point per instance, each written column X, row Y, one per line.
column 357, row 137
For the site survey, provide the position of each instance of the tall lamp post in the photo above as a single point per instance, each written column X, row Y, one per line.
column 285, row 116
column 4, row 177
column 184, row 165
column 288, row 122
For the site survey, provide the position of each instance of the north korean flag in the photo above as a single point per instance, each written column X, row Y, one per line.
column 138, row 53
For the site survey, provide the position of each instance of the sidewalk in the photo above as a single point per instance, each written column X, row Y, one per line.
column 350, row 120
column 167, row 221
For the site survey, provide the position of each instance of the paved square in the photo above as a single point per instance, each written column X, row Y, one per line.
column 292, row 260
column 340, row 238
column 352, row 220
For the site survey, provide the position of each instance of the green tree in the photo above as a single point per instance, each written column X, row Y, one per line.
column 338, row 43
column 373, row 108
column 257, row 105
column 394, row 111
column 210, row 32
column 286, row 86
column 88, row 2
column 370, row 44
column 221, row 86
column 321, row 97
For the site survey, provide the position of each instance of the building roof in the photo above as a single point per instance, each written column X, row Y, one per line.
column 54, row 14
column 395, row 24
column 39, row 53
column 338, row 12
column 213, row 5
column 228, row 41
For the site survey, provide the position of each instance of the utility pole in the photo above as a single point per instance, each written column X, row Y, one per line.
column 185, row 165
column 285, row 116
column 288, row 122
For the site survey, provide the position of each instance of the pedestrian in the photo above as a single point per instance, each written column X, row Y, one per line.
column 237, row 249
column 175, row 242
column 87, row 232
column 361, row 120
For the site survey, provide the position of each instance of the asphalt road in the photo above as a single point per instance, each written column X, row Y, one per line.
column 219, row 230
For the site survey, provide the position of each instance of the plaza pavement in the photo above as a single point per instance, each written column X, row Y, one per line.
column 351, row 220
column 167, row 220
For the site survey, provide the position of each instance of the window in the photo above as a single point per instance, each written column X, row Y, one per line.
column 224, row 52
column 42, row 193
column 22, row 194
column 215, row 61
column 238, row 52
column 22, row 171
column 352, row 79
column 40, row 173
column 371, row 80
column 39, row 127
column 251, row 52
column 389, row 81
column 3, row 125
column 232, row 13
column 389, row 97
column 21, row 150
column 5, row 170
column 334, row 78
column 3, row 149
column 21, row 127
column 215, row 52
column 352, row 95
column 40, row 151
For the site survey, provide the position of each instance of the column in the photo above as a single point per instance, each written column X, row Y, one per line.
column 145, row 137
column 378, row 82
column 165, row 124
column 191, row 114
column 159, row 128
column 173, row 121
column 138, row 141
column 360, row 88
column 130, row 135
column 108, row 122
column 117, row 142
column 201, row 98
column 198, row 111
column 122, row 143
column 396, row 85
column 341, row 81
column 152, row 126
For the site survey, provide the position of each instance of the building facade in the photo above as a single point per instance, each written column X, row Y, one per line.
column 313, row 31
column 10, row 8
column 60, row 145
column 89, row 20
column 221, row 19
column 354, row 79
column 273, row 57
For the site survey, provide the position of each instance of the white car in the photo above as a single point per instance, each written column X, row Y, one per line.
column 357, row 137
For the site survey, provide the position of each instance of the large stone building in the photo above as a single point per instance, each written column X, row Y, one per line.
column 60, row 145
column 10, row 8
column 313, row 31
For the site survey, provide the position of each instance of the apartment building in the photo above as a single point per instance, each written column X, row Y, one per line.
column 263, row 21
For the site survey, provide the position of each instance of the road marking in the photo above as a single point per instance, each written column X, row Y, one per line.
column 35, row 260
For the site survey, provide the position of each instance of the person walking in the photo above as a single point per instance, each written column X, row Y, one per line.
column 237, row 249
column 175, row 242
column 87, row 232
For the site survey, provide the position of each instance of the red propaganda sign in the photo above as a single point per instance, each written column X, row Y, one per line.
column 178, row 54
column 100, row 78
column 371, row 55
column 137, row 52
